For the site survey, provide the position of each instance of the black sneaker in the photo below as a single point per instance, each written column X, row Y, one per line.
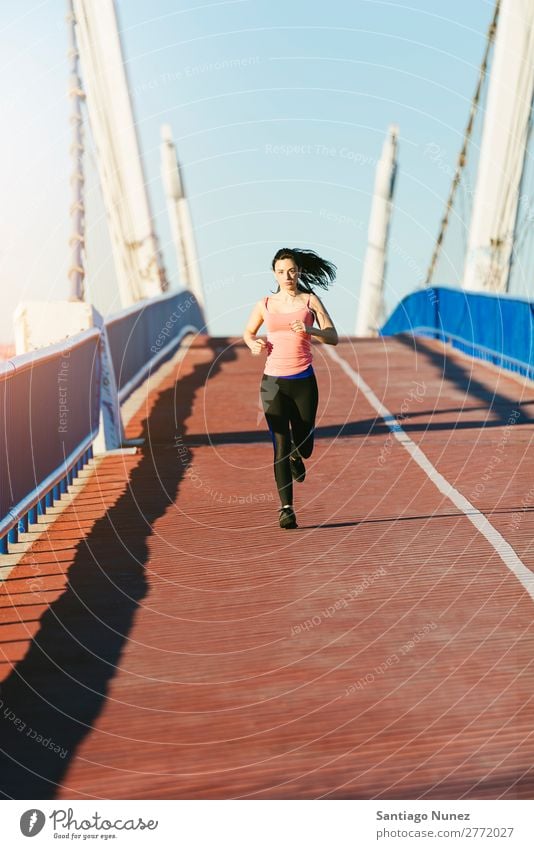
column 298, row 469
column 287, row 518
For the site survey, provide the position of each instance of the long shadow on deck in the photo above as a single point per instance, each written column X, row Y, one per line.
column 497, row 408
column 59, row 688
column 363, row 427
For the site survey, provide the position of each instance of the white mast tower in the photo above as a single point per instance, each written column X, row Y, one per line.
column 502, row 150
column 180, row 218
column 372, row 287
column 139, row 268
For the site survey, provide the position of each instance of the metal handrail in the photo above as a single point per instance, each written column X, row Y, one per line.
column 436, row 331
column 39, row 456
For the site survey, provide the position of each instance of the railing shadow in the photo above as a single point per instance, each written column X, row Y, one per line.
column 52, row 697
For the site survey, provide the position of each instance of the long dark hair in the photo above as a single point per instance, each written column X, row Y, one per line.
column 314, row 270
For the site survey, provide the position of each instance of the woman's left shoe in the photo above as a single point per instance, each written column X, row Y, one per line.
column 298, row 469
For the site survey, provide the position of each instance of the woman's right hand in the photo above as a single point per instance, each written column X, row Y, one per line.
column 258, row 346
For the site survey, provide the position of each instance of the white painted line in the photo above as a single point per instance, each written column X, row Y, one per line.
column 491, row 534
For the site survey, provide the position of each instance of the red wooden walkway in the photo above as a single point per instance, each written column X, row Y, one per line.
column 167, row 640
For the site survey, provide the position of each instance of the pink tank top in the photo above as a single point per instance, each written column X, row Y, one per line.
column 289, row 352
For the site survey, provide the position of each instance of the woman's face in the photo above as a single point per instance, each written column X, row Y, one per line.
column 286, row 274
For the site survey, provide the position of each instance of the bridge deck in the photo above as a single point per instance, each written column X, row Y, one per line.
column 167, row 640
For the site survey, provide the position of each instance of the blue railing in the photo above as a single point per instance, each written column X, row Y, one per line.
column 495, row 328
column 50, row 408
column 144, row 335
column 50, row 402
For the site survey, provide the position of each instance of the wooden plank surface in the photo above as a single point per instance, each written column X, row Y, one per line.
column 168, row 640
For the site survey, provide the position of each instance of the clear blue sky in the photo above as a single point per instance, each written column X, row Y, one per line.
column 235, row 80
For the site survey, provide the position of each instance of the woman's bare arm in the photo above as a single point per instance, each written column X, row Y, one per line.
column 326, row 332
column 254, row 323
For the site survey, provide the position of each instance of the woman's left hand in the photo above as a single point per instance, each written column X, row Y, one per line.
column 298, row 327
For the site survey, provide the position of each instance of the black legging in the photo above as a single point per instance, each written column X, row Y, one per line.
column 288, row 402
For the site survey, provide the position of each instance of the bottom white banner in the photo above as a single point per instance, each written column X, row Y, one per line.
column 263, row 824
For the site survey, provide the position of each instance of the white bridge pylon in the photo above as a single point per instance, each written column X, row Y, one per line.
column 502, row 152
column 180, row 218
column 138, row 263
column 370, row 308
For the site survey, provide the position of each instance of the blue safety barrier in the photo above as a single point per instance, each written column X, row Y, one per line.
column 495, row 328
column 144, row 335
column 42, row 454
column 50, row 405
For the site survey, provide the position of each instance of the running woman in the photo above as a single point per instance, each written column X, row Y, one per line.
column 288, row 386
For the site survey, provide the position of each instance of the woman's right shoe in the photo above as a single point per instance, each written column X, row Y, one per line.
column 287, row 518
